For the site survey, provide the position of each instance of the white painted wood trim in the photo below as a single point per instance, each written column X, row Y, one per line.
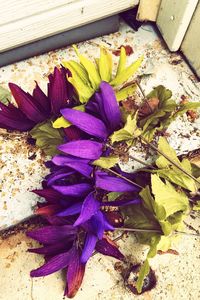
column 191, row 43
column 148, row 10
column 173, row 20
column 59, row 16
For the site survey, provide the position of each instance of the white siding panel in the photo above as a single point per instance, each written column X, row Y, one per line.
column 191, row 42
column 46, row 22
column 173, row 20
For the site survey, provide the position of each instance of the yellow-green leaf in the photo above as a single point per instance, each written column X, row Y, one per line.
column 122, row 61
column 128, row 72
column 167, row 200
column 91, row 69
column 106, row 162
column 126, row 92
column 113, row 195
column 171, row 172
column 61, row 122
column 105, row 65
column 129, row 131
column 164, row 146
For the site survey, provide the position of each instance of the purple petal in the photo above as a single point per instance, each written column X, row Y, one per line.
column 107, row 247
column 73, row 133
column 57, row 90
column 50, row 195
column 75, row 274
column 83, row 148
column 42, row 100
column 85, row 122
column 109, row 107
column 70, row 211
column 60, row 174
column 55, row 264
column 106, row 224
column 114, row 184
column 12, row 118
column 123, row 202
column 27, row 104
column 75, row 190
column 48, row 210
column 52, row 234
column 80, row 165
column 99, row 224
column 51, row 249
column 57, row 221
column 90, row 243
column 89, row 208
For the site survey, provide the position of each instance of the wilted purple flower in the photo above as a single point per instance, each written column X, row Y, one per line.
column 62, row 248
column 37, row 108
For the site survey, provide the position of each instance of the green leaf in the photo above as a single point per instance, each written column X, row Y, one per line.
column 161, row 117
column 126, row 92
column 137, row 216
column 106, row 162
column 161, row 93
column 90, row 68
column 195, row 170
column 148, row 200
column 167, row 200
column 122, row 61
column 144, row 271
column 129, row 131
column 126, row 73
column 61, row 122
column 5, row 95
column 112, row 196
column 105, row 65
column 47, row 137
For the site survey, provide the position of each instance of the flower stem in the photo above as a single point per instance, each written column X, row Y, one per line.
column 155, row 230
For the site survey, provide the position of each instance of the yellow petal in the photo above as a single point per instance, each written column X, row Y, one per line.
column 122, row 61
column 105, row 65
column 90, row 68
column 127, row 73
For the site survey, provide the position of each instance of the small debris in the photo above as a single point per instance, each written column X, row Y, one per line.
column 128, row 49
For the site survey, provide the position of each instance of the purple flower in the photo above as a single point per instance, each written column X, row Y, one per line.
column 62, row 249
column 36, row 108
